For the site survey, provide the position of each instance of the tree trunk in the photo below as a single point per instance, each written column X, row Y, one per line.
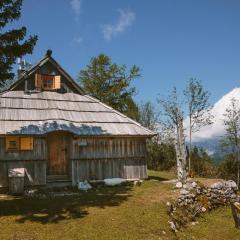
column 238, row 168
column 190, row 143
column 181, row 152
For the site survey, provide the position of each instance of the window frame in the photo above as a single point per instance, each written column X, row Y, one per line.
column 48, row 81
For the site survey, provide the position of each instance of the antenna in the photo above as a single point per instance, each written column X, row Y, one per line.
column 23, row 66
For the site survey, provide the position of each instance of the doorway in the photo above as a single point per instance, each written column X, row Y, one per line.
column 58, row 154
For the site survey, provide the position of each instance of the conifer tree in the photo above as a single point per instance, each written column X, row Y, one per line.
column 12, row 43
column 111, row 84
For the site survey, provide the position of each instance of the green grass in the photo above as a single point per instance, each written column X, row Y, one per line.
column 217, row 225
column 124, row 212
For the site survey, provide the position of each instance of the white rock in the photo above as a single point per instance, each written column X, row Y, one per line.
column 84, row 186
column 184, row 192
column 168, row 204
column 194, row 223
column 114, row 181
column 179, row 185
column 194, row 184
column 203, row 209
column 217, row 185
column 231, row 184
column 172, row 226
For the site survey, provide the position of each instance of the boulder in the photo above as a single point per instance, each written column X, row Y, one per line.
column 217, row 185
column 231, row 184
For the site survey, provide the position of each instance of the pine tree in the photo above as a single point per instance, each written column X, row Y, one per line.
column 12, row 43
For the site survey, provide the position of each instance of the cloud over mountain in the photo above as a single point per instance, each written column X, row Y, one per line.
column 217, row 128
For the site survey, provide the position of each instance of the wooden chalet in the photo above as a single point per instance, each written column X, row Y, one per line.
column 50, row 127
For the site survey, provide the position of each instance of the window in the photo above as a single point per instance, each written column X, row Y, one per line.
column 14, row 143
column 47, row 82
column 26, row 143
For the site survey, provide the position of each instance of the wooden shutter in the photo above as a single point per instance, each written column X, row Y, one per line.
column 57, row 82
column 38, row 81
column 12, row 143
column 26, row 143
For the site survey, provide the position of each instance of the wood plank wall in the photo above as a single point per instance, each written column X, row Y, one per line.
column 108, row 158
column 34, row 161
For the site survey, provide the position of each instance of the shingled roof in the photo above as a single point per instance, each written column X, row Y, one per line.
column 43, row 112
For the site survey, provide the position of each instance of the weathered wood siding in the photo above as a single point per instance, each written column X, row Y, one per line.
column 108, row 158
column 34, row 161
column 39, row 151
column 91, row 159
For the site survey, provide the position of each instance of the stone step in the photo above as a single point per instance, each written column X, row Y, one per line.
column 52, row 178
column 59, row 183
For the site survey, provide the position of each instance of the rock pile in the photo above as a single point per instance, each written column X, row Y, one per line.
column 207, row 198
column 194, row 199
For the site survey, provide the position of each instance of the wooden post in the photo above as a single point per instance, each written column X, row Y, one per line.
column 236, row 213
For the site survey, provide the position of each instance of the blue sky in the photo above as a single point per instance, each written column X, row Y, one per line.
column 170, row 41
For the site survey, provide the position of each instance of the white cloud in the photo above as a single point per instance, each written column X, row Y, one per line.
column 125, row 20
column 76, row 7
column 217, row 128
column 78, row 40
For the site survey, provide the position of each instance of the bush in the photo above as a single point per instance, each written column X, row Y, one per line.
column 161, row 156
column 228, row 168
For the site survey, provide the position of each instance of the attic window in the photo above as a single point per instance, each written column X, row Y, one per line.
column 47, row 82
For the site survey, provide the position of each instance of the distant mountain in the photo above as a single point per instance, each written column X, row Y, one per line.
column 212, row 147
column 208, row 137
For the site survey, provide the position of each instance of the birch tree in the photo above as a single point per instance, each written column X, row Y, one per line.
column 232, row 126
column 148, row 116
column 198, row 108
column 171, row 108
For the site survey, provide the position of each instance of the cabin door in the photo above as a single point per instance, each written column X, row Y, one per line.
column 58, row 153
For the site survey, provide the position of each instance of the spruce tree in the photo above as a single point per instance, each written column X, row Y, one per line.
column 12, row 43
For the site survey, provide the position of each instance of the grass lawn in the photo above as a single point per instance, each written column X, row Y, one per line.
column 124, row 212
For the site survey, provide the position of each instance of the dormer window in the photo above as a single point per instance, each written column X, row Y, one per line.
column 47, row 82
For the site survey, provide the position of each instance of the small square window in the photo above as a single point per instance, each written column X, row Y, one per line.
column 26, row 143
column 12, row 143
